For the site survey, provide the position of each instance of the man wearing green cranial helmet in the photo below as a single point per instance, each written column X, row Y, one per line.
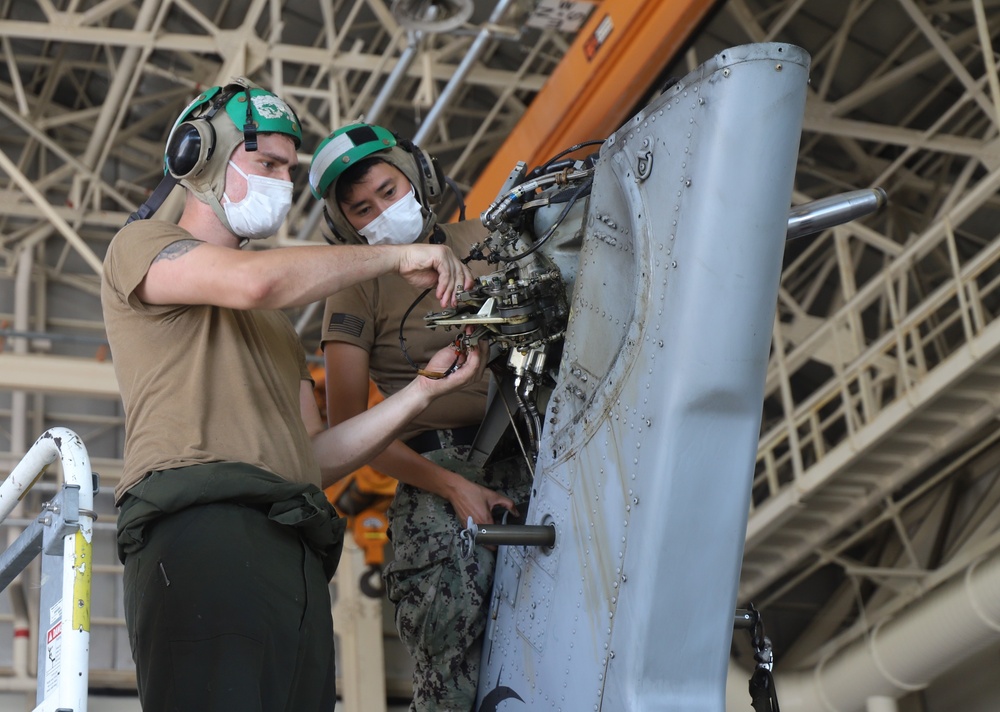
column 381, row 190
column 227, row 538
column 212, row 127
column 348, row 150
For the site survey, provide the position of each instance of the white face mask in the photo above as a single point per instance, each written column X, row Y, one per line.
column 399, row 224
column 262, row 210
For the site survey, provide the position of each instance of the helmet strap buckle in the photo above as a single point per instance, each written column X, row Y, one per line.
column 249, row 126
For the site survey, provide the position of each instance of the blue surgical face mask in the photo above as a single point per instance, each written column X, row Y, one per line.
column 400, row 224
column 262, row 210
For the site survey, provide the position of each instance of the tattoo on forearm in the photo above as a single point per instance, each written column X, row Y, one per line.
column 177, row 249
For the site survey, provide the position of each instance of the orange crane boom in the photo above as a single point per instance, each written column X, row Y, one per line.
column 616, row 55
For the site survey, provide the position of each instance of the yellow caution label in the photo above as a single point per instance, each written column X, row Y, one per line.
column 82, row 567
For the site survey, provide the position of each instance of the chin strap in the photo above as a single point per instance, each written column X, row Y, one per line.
column 155, row 200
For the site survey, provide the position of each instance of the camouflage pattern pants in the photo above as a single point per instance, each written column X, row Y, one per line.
column 441, row 599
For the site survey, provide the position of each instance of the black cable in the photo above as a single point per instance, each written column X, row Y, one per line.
column 458, row 196
column 562, row 216
column 542, row 168
column 402, row 345
column 402, row 339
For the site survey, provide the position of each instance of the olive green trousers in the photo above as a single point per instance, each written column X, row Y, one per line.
column 227, row 610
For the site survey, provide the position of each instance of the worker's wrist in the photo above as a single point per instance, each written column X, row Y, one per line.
column 446, row 482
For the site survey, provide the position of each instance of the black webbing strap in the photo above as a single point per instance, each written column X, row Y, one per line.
column 155, row 200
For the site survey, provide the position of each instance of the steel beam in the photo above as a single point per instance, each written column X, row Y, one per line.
column 58, row 374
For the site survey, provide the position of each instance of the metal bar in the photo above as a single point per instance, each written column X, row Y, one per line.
column 826, row 213
column 58, row 374
column 464, row 67
column 515, row 534
column 74, row 239
column 19, row 554
column 399, row 70
column 49, row 336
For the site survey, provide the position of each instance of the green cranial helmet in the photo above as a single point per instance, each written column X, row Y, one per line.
column 342, row 149
column 213, row 125
column 352, row 144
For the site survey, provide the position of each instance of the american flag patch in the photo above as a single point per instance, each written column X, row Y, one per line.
column 346, row 324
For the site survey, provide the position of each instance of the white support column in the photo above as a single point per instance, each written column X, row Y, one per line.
column 357, row 619
column 881, row 704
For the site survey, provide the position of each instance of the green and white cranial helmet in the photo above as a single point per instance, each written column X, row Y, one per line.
column 213, row 125
column 352, row 144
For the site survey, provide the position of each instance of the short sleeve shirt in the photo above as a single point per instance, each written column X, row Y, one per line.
column 200, row 384
column 369, row 314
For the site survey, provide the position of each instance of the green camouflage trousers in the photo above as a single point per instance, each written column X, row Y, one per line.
column 441, row 599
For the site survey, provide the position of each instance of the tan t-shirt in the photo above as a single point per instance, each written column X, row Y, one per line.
column 368, row 315
column 200, row 384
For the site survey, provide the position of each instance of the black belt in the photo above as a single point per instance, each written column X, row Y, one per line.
column 431, row 440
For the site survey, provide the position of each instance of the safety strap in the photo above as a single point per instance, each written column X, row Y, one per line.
column 763, row 695
column 159, row 195
column 155, row 200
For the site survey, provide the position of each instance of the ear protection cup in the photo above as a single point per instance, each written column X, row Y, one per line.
column 353, row 145
column 194, row 138
column 192, row 142
column 430, row 173
column 189, row 148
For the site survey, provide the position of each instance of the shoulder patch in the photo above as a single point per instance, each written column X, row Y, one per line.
column 345, row 324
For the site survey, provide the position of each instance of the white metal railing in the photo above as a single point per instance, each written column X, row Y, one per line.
column 875, row 368
column 62, row 534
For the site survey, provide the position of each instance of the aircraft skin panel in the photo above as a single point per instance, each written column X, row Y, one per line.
column 646, row 459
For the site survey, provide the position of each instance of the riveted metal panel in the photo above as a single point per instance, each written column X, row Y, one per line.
column 650, row 435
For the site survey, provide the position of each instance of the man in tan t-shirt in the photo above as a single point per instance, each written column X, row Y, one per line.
column 380, row 190
column 227, row 539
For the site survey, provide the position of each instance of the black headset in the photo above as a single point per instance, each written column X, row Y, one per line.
column 190, row 147
column 428, row 169
column 192, row 142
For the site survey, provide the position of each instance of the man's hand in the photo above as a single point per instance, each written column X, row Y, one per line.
column 462, row 366
column 476, row 501
column 429, row 265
